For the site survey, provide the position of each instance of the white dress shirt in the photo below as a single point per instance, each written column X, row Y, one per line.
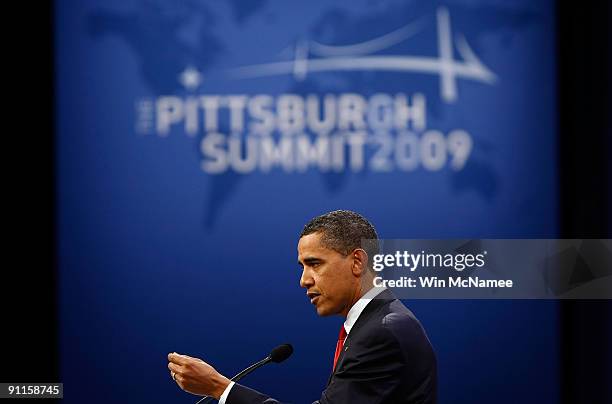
column 358, row 307
column 351, row 319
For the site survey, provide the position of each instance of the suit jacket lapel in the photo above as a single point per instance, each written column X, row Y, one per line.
column 380, row 300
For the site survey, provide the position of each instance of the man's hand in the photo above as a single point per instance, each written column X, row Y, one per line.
column 196, row 376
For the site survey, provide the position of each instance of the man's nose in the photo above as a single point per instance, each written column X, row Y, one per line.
column 306, row 279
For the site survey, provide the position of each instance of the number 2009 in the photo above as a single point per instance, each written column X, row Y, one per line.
column 432, row 150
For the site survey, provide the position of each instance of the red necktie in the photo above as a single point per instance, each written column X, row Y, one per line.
column 339, row 344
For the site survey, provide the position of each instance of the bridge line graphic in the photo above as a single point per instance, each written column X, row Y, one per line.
column 343, row 58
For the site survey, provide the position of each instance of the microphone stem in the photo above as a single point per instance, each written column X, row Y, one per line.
column 250, row 369
column 208, row 399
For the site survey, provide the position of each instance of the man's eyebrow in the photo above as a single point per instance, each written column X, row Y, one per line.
column 311, row 260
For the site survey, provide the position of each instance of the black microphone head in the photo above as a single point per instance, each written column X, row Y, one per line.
column 281, row 352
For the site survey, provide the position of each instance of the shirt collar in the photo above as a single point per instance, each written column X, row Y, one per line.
column 358, row 307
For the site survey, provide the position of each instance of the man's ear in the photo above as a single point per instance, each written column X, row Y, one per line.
column 360, row 262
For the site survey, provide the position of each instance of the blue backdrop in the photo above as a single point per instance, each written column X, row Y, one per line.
column 194, row 141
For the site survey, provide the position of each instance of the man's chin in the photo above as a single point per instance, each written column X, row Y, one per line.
column 324, row 311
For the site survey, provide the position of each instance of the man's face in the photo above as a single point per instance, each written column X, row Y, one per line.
column 327, row 276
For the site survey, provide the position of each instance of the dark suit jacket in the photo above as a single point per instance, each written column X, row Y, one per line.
column 387, row 358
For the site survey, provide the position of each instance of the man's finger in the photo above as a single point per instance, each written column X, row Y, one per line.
column 176, row 358
column 174, row 367
column 191, row 358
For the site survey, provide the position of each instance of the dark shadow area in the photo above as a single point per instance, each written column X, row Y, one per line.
column 29, row 296
column 583, row 44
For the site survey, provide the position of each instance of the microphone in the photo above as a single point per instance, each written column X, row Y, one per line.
column 277, row 355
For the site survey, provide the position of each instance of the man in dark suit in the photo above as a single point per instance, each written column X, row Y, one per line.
column 382, row 355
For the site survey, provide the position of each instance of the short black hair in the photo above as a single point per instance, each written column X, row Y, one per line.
column 343, row 232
